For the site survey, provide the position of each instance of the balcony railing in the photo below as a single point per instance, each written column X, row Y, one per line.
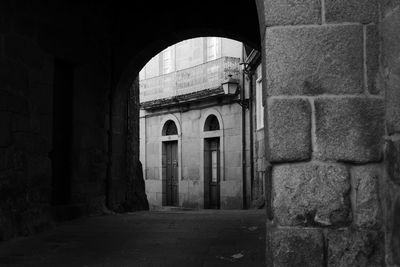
column 204, row 76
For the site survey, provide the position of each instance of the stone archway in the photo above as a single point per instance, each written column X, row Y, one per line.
column 123, row 85
column 324, row 124
column 324, row 119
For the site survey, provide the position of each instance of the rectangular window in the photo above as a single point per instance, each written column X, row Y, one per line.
column 189, row 53
column 259, row 103
column 214, row 166
column 168, row 60
column 213, row 48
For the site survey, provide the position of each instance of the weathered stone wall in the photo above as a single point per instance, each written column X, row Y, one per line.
column 33, row 38
column 26, row 82
column 90, row 136
column 96, row 40
column 325, row 126
column 389, row 79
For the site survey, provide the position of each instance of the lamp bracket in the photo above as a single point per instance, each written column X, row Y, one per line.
column 244, row 103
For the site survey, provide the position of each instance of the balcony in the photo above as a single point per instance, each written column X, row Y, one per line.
column 209, row 75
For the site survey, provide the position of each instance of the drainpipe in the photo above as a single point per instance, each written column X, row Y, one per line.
column 244, row 178
column 251, row 122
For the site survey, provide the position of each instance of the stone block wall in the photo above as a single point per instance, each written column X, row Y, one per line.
column 26, row 83
column 325, row 119
column 33, row 37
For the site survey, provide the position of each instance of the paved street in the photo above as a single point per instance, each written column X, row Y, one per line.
column 158, row 238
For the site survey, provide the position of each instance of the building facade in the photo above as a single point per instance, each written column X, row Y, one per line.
column 194, row 145
column 257, row 163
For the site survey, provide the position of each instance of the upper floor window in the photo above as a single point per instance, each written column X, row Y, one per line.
column 213, row 48
column 211, row 123
column 168, row 60
column 259, row 101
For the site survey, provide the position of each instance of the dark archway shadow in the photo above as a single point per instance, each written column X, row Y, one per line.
column 137, row 39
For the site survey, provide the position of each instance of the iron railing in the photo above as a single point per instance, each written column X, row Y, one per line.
column 205, row 76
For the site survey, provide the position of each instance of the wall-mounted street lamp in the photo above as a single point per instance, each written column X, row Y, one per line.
column 230, row 85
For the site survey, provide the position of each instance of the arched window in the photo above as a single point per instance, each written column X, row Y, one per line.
column 211, row 123
column 169, row 128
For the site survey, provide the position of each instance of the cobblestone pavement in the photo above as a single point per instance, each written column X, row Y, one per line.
column 158, row 238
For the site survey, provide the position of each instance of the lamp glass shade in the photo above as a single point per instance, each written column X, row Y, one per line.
column 230, row 86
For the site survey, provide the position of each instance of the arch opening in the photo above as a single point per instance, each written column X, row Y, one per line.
column 185, row 82
column 169, row 128
column 211, row 124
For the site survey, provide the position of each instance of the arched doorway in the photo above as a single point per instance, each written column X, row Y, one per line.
column 212, row 163
column 322, row 119
column 170, row 177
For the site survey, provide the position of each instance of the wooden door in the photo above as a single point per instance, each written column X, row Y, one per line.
column 172, row 174
column 212, row 174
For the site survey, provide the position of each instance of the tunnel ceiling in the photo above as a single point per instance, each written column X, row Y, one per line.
column 172, row 19
column 136, row 30
column 141, row 29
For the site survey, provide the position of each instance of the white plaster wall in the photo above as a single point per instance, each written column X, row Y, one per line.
column 191, row 180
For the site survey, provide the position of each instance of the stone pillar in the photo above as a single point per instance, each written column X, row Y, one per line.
column 324, row 126
column 126, row 188
column 117, row 180
column 136, row 198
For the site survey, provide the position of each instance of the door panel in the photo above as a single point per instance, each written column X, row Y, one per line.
column 212, row 173
column 207, row 174
column 175, row 181
column 172, row 174
column 168, row 170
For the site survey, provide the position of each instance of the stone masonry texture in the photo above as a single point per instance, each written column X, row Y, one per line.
column 349, row 129
column 372, row 60
column 391, row 68
column 311, row 194
column 387, row 6
column 390, row 81
column 393, row 230
column 297, row 247
column 314, row 60
column 393, row 103
column 284, row 12
column 363, row 11
column 393, row 163
column 348, row 248
column 289, row 126
column 367, row 213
